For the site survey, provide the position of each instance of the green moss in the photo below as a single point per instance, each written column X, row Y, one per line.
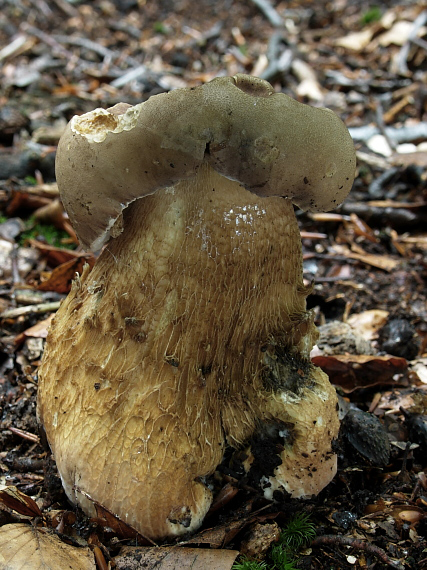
column 297, row 534
column 161, row 28
column 47, row 232
column 246, row 564
column 373, row 14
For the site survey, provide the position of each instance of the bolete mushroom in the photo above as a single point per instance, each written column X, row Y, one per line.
column 190, row 335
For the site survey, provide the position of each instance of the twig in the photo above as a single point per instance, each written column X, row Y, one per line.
column 85, row 43
column 43, row 8
column 47, row 190
column 203, row 37
column 48, row 40
column 30, row 309
column 312, row 235
column 108, row 54
column 25, row 434
column 67, row 8
column 331, row 540
column 14, row 47
column 132, row 31
column 269, row 12
column 376, row 187
column 402, row 58
column 128, row 76
column 400, row 135
column 379, row 111
column 278, row 61
column 372, row 160
column 419, row 42
column 16, row 278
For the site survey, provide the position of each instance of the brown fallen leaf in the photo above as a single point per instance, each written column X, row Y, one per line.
column 419, row 158
column 356, row 41
column 106, row 518
column 14, row 499
column 62, row 276
column 222, row 534
column 353, row 371
column 368, row 323
column 23, row 546
column 174, row 558
column 57, row 255
column 54, row 213
column 39, row 330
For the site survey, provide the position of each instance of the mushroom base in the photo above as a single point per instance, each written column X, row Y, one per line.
column 189, row 334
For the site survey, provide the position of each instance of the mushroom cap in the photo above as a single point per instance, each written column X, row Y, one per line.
column 271, row 144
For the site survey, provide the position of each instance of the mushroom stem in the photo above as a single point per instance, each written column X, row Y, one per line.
column 190, row 334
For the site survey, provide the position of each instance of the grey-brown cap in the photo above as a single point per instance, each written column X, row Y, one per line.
column 271, row 144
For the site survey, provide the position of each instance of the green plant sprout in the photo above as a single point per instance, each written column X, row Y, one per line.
column 298, row 533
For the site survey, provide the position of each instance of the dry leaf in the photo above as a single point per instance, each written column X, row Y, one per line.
column 354, row 371
column 398, row 34
column 419, row 158
column 174, row 558
column 39, row 330
column 356, row 41
column 57, row 255
column 25, row 547
column 419, row 366
column 368, row 323
column 123, row 530
column 62, row 276
column 17, row 501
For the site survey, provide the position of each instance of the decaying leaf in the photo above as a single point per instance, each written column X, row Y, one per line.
column 62, row 276
column 23, row 546
column 368, row 323
column 39, row 330
column 106, row 518
column 57, row 255
column 356, row 41
column 360, row 371
column 14, row 499
column 174, row 558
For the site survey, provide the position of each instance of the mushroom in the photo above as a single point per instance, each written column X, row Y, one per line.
column 190, row 335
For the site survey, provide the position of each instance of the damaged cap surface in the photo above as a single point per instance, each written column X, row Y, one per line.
column 268, row 142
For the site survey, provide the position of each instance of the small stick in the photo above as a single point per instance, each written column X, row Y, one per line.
column 48, row 40
column 25, row 434
column 382, row 126
column 269, row 12
column 67, row 8
column 398, row 135
column 331, row 540
column 402, row 58
column 84, row 43
column 99, row 557
column 31, row 309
